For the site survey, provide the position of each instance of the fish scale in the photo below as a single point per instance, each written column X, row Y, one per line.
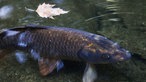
column 49, row 45
column 60, row 49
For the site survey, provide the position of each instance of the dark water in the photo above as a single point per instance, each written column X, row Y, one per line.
column 123, row 21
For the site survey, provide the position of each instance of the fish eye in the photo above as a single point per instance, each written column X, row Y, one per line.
column 105, row 56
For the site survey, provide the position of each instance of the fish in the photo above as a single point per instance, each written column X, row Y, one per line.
column 49, row 45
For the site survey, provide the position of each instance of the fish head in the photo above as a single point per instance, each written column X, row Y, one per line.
column 103, row 50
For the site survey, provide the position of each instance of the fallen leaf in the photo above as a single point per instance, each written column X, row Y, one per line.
column 47, row 10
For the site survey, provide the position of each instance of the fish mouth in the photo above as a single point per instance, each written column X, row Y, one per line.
column 124, row 57
column 119, row 58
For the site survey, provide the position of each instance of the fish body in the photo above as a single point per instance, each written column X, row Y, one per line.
column 53, row 44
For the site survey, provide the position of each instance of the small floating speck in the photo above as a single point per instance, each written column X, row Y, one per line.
column 111, row 0
column 114, row 19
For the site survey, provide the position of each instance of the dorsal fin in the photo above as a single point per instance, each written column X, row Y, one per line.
column 29, row 27
column 23, row 28
column 16, row 30
column 37, row 26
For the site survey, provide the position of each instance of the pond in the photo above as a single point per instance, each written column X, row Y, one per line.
column 120, row 20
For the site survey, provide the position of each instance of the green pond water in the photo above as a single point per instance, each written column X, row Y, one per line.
column 123, row 21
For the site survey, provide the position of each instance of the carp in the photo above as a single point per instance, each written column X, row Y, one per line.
column 50, row 45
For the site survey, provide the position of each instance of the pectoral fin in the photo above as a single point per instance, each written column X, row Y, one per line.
column 90, row 74
column 46, row 65
column 20, row 56
column 59, row 65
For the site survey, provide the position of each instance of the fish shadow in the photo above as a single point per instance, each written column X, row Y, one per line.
column 106, row 72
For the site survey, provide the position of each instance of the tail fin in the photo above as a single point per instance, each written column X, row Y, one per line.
column 4, row 52
column 2, row 33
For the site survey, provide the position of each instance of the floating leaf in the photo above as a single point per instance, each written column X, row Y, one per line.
column 47, row 10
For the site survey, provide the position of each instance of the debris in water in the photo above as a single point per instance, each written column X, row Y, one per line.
column 29, row 10
column 5, row 11
column 47, row 10
column 111, row 0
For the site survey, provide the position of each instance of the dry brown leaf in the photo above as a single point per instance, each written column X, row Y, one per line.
column 47, row 10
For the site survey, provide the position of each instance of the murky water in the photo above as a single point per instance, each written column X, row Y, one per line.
column 121, row 20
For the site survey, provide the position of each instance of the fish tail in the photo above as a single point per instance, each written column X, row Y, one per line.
column 4, row 53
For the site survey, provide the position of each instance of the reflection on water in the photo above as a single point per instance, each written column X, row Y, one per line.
column 121, row 20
